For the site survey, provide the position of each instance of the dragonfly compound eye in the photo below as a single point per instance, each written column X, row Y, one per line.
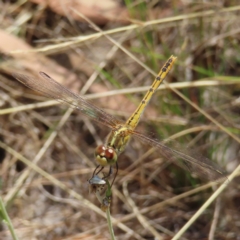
column 105, row 155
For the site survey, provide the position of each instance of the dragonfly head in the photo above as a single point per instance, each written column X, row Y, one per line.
column 105, row 155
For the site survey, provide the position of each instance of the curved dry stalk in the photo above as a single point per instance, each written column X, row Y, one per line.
column 207, row 203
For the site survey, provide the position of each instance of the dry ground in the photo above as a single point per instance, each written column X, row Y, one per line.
column 47, row 150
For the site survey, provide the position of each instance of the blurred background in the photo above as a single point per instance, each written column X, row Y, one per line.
column 111, row 56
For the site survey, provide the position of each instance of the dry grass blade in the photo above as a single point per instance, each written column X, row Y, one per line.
column 207, row 203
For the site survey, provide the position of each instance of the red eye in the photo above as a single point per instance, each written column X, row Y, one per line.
column 100, row 150
column 109, row 153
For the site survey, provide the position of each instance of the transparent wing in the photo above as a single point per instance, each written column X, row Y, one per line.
column 52, row 89
column 199, row 165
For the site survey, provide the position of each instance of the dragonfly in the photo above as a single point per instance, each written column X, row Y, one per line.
column 107, row 154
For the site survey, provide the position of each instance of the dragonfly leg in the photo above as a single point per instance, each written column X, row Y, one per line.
column 109, row 173
column 97, row 172
column 115, row 174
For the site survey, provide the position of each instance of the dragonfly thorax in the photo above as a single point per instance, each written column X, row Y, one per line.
column 105, row 155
